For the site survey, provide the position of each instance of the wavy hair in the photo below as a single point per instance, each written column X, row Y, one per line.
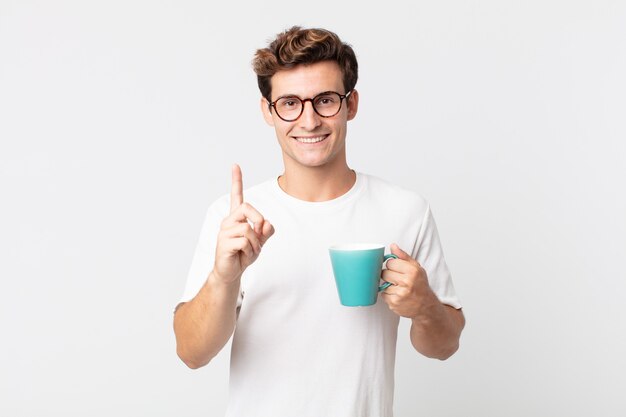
column 297, row 46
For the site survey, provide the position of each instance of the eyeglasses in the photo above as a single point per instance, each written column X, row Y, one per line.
column 326, row 104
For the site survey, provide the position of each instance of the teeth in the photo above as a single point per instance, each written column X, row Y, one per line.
column 311, row 140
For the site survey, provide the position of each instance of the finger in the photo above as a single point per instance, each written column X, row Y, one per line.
column 400, row 265
column 393, row 277
column 389, row 294
column 240, row 244
column 395, row 249
column 244, row 230
column 402, row 255
column 242, row 214
column 236, row 191
column 397, row 291
column 383, row 295
column 258, row 228
column 389, row 299
column 267, row 231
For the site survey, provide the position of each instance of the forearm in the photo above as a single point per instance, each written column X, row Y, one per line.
column 436, row 331
column 204, row 324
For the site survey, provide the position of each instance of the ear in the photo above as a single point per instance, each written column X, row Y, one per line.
column 267, row 114
column 353, row 104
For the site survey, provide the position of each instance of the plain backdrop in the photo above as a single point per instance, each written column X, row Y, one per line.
column 119, row 121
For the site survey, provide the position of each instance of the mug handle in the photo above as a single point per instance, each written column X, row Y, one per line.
column 386, row 284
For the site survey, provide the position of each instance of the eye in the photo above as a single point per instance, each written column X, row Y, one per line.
column 288, row 102
column 325, row 100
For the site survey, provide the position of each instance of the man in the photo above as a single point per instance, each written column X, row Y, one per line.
column 296, row 350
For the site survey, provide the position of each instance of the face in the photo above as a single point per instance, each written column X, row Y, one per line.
column 312, row 140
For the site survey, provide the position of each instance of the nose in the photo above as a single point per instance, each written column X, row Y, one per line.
column 309, row 119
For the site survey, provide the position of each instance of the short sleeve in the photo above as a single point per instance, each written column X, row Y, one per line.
column 204, row 254
column 429, row 254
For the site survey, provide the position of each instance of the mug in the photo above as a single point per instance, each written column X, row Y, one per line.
column 357, row 270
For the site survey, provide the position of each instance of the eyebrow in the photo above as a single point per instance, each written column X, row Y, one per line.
column 297, row 96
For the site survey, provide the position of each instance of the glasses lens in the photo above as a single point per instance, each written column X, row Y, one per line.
column 327, row 104
column 289, row 108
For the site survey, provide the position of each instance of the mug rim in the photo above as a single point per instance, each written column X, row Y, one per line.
column 351, row 247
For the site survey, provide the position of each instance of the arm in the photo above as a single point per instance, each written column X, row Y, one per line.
column 435, row 327
column 203, row 325
column 435, row 332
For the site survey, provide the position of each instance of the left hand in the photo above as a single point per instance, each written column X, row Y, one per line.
column 410, row 292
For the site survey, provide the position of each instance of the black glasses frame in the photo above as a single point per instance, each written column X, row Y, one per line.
column 304, row 100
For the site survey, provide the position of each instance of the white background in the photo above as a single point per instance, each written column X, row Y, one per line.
column 119, row 121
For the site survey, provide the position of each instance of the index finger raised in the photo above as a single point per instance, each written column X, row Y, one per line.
column 236, row 191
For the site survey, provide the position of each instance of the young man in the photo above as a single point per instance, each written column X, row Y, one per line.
column 261, row 269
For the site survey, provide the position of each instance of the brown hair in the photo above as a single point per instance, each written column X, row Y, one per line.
column 297, row 46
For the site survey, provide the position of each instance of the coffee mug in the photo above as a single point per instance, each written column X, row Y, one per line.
column 357, row 270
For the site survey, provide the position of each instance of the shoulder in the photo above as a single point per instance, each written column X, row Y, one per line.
column 399, row 195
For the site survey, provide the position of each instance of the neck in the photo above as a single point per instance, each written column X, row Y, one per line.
column 317, row 183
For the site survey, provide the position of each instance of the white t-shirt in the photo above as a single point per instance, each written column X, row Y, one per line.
column 296, row 350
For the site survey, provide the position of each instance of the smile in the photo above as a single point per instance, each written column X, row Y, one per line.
column 314, row 139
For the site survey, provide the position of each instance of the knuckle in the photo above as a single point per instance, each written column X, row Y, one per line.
column 249, row 235
column 223, row 234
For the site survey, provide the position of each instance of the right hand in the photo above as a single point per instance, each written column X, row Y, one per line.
column 238, row 243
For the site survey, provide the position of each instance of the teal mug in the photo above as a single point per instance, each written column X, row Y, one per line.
column 357, row 269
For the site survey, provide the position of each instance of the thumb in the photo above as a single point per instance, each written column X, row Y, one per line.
column 395, row 249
